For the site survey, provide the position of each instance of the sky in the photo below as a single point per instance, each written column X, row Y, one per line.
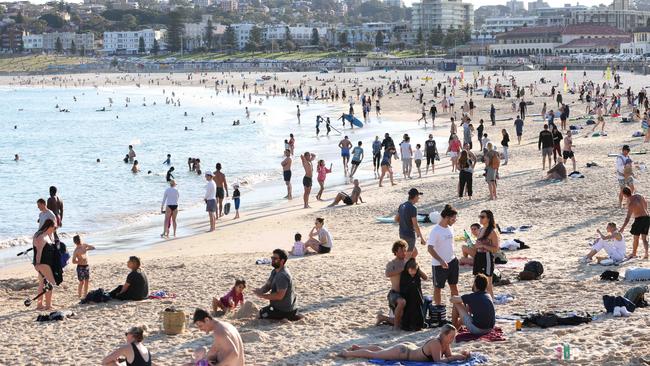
column 553, row 3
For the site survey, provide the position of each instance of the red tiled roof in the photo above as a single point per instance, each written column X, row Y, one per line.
column 596, row 42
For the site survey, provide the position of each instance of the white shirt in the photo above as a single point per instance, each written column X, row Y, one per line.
column 325, row 238
column 442, row 241
column 405, row 148
column 620, row 164
column 298, row 248
column 170, row 197
column 211, row 190
column 418, row 155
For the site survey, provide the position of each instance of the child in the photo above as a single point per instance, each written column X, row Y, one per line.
column 235, row 198
column 232, row 299
column 83, row 271
column 298, row 247
column 417, row 155
column 468, row 248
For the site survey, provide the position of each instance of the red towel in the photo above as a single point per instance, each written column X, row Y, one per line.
column 495, row 335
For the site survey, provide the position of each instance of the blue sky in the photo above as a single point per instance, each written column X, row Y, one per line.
column 555, row 3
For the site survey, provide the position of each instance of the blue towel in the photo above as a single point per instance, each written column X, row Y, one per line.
column 475, row 359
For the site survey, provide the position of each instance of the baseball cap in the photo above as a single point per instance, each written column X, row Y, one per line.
column 208, row 173
column 414, row 192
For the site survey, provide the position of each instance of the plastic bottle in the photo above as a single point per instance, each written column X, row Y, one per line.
column 558, row 352
column 468, row 239
column 518, row 325
column 567, row 351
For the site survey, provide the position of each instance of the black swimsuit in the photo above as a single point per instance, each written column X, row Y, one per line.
column 138, row 360
column 429, row 357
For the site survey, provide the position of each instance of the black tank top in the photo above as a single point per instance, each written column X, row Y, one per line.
column 137, row 358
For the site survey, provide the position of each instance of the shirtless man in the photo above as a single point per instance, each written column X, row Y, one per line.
column 345, row 146
column 307, row 158
column 220, row 180
column 131, row 153
column 80, row 258
column 227, row 346
column 351, row 199
column 637, row 207
column 286, row 171
column 567, row 150
column 55, row 204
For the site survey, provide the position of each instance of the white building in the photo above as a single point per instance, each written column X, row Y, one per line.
column 429, row 14
column 195, row 33
column 202, row 3
column 33, row 42
column 300, row 34
column 640, row 44
column 129, row 42
column 83, row 40
column 496, row 25
column 398, row 3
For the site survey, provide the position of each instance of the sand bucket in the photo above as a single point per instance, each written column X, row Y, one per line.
column 173, row 322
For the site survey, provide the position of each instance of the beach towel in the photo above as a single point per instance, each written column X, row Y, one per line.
column 161, row 294
column 96, row 296
column 495, row 335
column 503, row 299
column 553, row 319
column 55, row 316
column 475, row 359
column 637, row 274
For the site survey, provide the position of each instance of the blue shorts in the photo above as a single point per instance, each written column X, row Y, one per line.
column 345, row 153
column 469, row 323
column 236, row 203
column 211, row 206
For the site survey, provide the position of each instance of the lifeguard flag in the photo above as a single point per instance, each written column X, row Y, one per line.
column 608, row 73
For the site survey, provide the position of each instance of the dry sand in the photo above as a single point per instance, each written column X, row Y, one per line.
column 341, row 293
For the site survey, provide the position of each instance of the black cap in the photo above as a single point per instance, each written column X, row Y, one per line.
column 414, row 192
column 626, row 147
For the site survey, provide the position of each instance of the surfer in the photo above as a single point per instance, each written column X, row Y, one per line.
column 327, row 125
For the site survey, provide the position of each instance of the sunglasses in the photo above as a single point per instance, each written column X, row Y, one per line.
column 482, row 216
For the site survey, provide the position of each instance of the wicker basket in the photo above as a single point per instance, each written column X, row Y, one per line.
column 173, row 322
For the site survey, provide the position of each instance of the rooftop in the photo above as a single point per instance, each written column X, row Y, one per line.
column 596, row 42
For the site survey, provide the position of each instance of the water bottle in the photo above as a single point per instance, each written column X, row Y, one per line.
column 468, row 239
column 558, row 352
column 518, row 325
column 567, row 351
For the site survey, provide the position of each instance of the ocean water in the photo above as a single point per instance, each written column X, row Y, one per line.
column 109, row 202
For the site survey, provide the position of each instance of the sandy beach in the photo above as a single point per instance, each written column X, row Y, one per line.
column 340, row 293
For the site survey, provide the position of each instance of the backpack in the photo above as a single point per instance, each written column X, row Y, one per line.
column 500, row 257
column 64, row 256
column 609, row 275
column 495, row 162
column 534, row 267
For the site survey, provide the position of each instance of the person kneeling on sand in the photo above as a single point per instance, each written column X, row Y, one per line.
column 133, row 352
column 227, row 345
column 613, row 243
column 469, row 251
column 557, row 172
column 320, row 239
column 437, row 349
column 136, row 286
column 353, row 199
column 279, row 290
column 475, row 310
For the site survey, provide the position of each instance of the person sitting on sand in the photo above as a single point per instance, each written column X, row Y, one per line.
column 298, row 248
column 410, row 291
column 393, row 271
column 468, row 249
column 279, row 290
column 352, row 199
column 227, row 345
column 320, row 239
column 136, row 286
column 557, row 172
column 436, row 349
column 133, row 352
column 476, row 310
column 232, row 299
column 613, row 243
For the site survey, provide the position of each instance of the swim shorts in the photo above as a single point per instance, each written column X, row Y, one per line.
column 410, row 242
column 324, row 250
column 287, row 175
column 625, row 182
column 237, row 202
column 640, row 226
column 356, row 162
column 483, row 263
column 547, row 151
column 393, row 297
column 306, row 181
column 449, row 275
column 211, row 206
column 347, row 199
column 83, row 272
column 220, row 193
column 566, row 155
column 490, row 174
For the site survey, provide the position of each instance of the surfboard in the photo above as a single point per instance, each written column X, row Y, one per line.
column 226, row 208
column 631, row 153
column 354, row 120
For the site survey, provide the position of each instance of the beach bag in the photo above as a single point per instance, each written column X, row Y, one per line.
column 173, row 321
column 609, row 276
column 535, row 267
column 636, row 296
column 64, row 256
column 437, row 315
column 495, row 162
column 500, row 257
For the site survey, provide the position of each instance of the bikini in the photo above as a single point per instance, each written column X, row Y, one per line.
column 429, row 357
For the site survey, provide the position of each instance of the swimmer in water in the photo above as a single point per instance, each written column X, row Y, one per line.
column 99, row 161
column 135, row 168
column 16, row 157
column 168, row 161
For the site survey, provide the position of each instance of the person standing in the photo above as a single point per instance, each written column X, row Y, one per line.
column 307, row 163
column 433, row 111
column 386, row 167
column 407, row 217
column 43, row 262
column 210, row 199
column 505, row 140
column 298, row 113
column 567, row 151
column 55, row 204
column 322, row 171
column 131, row 154
column 493, row 114
column 522, row 109
column 479, row 131
column 519, row 129
column 345, row 145
column 286, row 171
column 376, row 155
column 637, row 207
column 44, row 215
column 222, row 187
column 357, row 157
column 486, row 245
column 170, row 200
column 407, row 154
column 492, row 163
column 279, row 291
column 545, row 144
column 557, row 139
column 465, row 172
column 431, row 153
column 624, row 179
column 444, row 264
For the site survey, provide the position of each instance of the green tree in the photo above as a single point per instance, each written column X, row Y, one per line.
column 343, row 39
column 229, row 37
column 419, row 38
column 315, row 37
column 141, row 46
column 363, row 46
column 73, row 48
column 82, row 50
column 379, row 39
column 255, row 39
column 436, row 36
column 209, row 35
column 20, row 19
column 289, row 46
column 128, row 22
column 156, row 47
column 58, row 45
column 53, row 20
column 175, row 31
column 287, row 34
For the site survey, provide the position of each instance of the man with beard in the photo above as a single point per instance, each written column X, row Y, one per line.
column 279, row 290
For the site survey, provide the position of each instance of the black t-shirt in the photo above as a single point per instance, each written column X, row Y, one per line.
column 545, row 139
column 430, row 147
column 481, row 308
column 138, row 285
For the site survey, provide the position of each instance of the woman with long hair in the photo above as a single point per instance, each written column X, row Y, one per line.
column 170, row 207
column 322, row 171
column 454, row 149
column 466, row 170
column 43, row 257
column 486, row 245
column 386, row 165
